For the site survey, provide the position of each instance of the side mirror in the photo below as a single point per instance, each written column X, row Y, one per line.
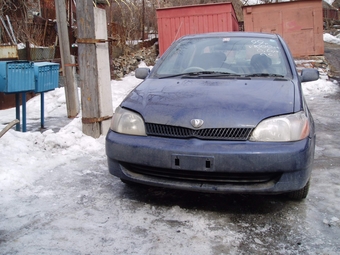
column 309, row 74
column 142, row 72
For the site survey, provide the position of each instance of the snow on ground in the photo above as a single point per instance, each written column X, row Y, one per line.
column 25, row 157
column 34, row 150
column 331, row 39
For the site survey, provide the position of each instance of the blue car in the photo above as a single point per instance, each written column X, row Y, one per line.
column 219, row 112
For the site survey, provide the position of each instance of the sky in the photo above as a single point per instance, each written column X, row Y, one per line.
column 329, row 1
column 251, row 2
column 26, row 156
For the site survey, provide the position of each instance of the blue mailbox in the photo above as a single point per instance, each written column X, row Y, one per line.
column 16, row 76
column 46, row 76
column 21, row 76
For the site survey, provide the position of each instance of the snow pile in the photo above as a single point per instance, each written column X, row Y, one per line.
column 321, row 86
column 25, row 155
column 331, row 39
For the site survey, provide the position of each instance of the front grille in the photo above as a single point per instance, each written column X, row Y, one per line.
column 236, row 134
column 202, row 176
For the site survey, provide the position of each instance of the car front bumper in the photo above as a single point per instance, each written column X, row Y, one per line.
column 211, row 166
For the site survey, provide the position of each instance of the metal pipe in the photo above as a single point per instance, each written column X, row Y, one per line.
column 17, row 111
column 42, row 113
column 11, row 29
column 9, row 34
column 23, row 103
column 8, row 127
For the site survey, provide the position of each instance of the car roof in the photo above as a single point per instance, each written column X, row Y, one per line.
column 231, row 34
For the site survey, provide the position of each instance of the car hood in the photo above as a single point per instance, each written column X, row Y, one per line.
column 219, row 103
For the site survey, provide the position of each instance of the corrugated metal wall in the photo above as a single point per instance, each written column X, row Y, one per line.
column 300, row 23
column 178, row 21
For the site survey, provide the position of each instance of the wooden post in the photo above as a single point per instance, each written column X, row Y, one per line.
column 103, row 65
column 143, row 21
column 45, row 28
column 28, row 51
column 71, row 88
column 94, row 69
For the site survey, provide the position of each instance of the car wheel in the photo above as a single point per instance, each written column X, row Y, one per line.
column 299, row 194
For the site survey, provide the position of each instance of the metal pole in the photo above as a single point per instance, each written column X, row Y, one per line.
column 42, row 113
column 11, row 29
column 9, row 34
column 17, row 110
column 23, row 97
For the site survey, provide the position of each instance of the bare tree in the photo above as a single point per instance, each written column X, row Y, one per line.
column 129, row 18
column 17, row 11
column 21, row 18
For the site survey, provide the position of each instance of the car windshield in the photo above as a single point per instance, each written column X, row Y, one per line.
column 225, row 56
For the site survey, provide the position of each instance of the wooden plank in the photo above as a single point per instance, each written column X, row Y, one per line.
column 94, row 69
column 88, row 71
column 103, row 65
column 71, row 88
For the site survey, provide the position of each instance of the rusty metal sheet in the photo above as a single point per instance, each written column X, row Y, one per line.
column 175, row 22
column 269, row 23
column 300, row 24
column 42, row 53
column 8, row 52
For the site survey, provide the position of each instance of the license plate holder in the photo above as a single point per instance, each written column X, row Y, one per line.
column 192, row 162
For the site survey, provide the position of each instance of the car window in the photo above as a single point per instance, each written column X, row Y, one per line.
column 178, row 59
column 238, row 55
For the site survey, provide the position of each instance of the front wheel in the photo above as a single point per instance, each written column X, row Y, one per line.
column 299, row 194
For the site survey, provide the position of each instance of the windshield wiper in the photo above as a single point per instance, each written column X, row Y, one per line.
column 177, row 75
column 201, row 74
column 217, row 74
column 265, row 75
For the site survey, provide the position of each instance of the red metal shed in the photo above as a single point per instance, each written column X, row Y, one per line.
column 175, row 22
column 300, row 23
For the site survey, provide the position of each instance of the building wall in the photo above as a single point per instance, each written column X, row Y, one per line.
column 47, row 8
column 300, row 24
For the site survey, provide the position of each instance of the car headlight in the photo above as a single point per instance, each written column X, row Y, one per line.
column 284, row 128
column 127, row 122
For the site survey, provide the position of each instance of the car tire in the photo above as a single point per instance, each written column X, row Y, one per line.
column 299, row 194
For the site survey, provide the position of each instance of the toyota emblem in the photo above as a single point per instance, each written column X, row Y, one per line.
column 196, row 123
